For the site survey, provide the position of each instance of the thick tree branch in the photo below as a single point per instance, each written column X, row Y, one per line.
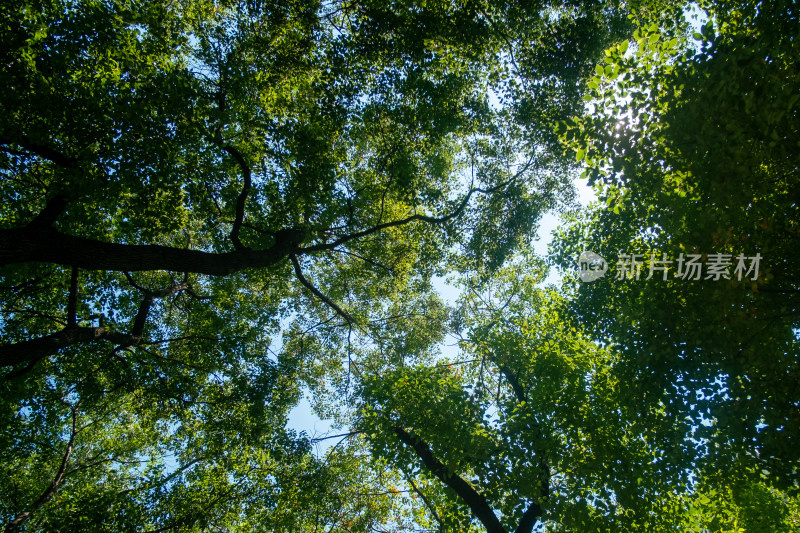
column 36, row 243
column 35, row 350
column 144, row 308
column 242, row 198
column 42, row 151
column 516, row 386
column 24, row 245
column 55, row 206
column 529, row 518
column 476, row 501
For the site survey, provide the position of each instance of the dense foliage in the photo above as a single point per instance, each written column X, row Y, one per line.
column 692, row 146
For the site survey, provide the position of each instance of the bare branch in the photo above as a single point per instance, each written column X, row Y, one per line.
column 345, row 435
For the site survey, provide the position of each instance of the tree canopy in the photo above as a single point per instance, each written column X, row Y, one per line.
column 212, row 208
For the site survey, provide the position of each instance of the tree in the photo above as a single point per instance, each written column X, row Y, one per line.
column 180, row 181
column 659, row 404
column 303, row 147
column 532, row 427
column 693, row 149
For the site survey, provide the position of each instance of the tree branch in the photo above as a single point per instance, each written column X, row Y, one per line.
column 37, row 243
column 534, row 510
column 345, row 435
column 50, row 491
column 427, row 503
column 476, row 501
column 42, row 151
column 35, row 350
column 24, row 245
column 367, row 260
column 54, row 207
column 144, row 308
column 529, row 518
column 242, row 198
column 519, row 391
column 413, row 218
column 316, row 292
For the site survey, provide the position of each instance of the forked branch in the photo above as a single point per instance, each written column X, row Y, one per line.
column 33, row 351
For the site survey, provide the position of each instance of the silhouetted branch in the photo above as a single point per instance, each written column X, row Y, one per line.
column 47, row 217
column 413, row 218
